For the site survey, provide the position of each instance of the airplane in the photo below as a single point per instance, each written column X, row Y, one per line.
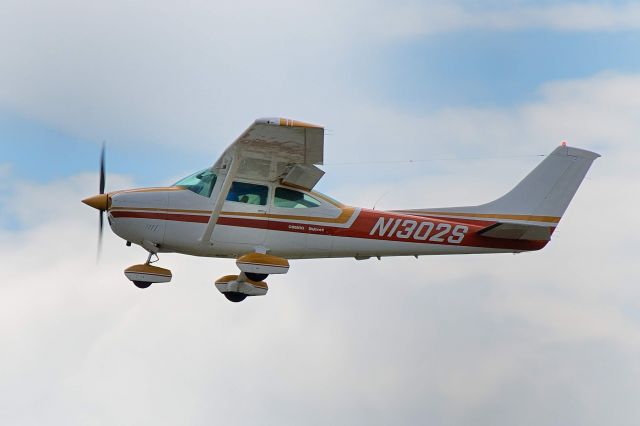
column 256, row 204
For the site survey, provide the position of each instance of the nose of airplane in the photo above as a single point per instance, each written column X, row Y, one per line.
column 98, row 202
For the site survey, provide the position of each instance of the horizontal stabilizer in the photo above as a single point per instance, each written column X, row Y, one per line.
column 516, row 231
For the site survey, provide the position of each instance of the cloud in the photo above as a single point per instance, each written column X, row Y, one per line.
column 162, row 74
column 574, row 17
column 86, row 67
column 494, row 339
column 559, row 16
column 488, row 340
column 598, row 113
column 5, row 171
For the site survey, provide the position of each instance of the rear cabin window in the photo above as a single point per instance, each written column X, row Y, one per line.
column 290, row 198
column 201, row 182
column 249, row 193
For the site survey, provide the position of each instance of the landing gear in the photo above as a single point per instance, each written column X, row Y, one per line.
column 147, row 284
column 254, row 268
column 150, row 258
column 234, row 296
column 236, row 288
column 142, row 276
column 256, row 277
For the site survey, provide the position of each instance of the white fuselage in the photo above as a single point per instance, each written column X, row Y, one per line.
column 174, row 219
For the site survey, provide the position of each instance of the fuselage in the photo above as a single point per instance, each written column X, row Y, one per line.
column 291, row 223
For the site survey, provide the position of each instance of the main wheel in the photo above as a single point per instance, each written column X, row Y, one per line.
column 234, row 296
column 256, row 277
column 142, row 284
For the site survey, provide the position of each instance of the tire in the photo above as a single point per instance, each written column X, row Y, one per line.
column 142, row 284
column 255, row 277
column 234, row 296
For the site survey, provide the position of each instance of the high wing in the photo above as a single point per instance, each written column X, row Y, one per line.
column 271, row 149
column 277, row 149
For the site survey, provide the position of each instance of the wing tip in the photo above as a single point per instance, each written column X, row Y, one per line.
column 279, row 121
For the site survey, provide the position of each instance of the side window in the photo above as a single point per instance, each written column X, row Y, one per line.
column 289, row 198
column 249, row 193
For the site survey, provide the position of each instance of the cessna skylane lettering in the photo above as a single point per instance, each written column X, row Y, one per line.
column 256, row 204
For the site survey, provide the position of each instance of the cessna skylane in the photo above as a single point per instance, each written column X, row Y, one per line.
column 256, row 205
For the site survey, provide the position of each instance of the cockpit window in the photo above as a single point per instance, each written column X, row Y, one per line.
column 201, row 183
column 289, row 198
column 249, row 193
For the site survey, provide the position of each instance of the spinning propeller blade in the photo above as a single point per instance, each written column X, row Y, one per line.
column 102, row 177
column 101, row 201
column 101, row 212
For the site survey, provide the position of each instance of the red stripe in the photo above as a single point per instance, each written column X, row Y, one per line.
column 367, row 219
column 162, row 216
column 361, row 228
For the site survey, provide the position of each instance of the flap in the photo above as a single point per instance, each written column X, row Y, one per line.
column 303, row 176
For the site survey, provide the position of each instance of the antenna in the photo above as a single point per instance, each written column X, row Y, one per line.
column 380, row 198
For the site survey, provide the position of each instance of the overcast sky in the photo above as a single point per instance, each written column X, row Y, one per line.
column 476, row 91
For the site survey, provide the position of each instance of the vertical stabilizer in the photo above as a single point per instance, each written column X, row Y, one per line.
column 540, row 198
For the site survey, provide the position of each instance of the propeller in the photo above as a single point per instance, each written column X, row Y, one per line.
column 102, row 184
column 100, row 201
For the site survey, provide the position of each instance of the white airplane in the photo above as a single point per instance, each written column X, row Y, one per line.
column 256, row 204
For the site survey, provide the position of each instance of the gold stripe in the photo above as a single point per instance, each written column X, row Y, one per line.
column 148, row 269
column 226, row 279
column 294, row 123
column 159, row 189
column 529, row 218
column 163, row 210
column 263, row 259
column 343, row 218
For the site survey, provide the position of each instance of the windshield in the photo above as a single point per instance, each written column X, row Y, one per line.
column 201, row 182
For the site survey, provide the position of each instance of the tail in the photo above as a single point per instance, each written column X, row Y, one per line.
column 532, row 209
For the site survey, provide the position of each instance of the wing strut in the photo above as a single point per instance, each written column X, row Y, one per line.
column 221, row 197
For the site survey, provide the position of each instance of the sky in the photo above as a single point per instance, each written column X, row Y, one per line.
column 473, row 93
